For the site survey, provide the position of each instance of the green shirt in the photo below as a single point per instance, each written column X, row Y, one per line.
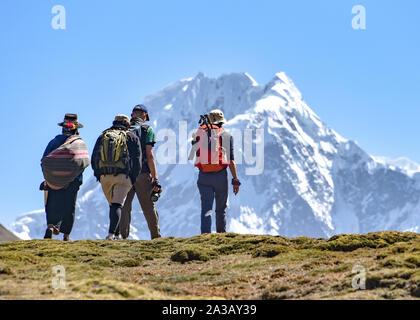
column 150, row 137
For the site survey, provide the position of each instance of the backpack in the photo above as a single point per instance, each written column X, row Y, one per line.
column 141, row 132
column 65, row 163
column 114, row 151
column 210, row 155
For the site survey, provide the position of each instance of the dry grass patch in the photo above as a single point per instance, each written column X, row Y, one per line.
column 215, row 266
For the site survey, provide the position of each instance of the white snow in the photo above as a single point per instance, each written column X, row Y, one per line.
column 327, row 147
column 254, row 83
column 248, row 223
column 406, row 165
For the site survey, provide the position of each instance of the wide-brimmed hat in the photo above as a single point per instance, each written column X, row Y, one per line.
column 143, row 108
column 217, row 117
column 71, row 118
column 123, row 119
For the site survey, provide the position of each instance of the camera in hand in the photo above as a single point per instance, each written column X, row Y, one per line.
column 154, row 196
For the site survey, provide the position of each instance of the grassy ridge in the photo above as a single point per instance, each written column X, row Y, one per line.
column 216, row 266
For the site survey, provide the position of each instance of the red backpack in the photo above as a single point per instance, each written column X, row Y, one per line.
column 210, row 156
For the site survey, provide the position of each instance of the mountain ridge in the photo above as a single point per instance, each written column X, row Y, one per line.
column 6, row 235
column 314, row 181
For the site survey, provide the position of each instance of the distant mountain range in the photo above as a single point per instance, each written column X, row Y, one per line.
column 6, row 235
column 314, row 182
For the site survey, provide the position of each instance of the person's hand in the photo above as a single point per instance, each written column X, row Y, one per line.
column 235, row 190
column 156, row 186
column 43, row 186
column 236, row 184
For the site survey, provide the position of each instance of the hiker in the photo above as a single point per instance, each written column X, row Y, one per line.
column 63, row 163
column 147, row 182
column 213, row 148
column 116, row 162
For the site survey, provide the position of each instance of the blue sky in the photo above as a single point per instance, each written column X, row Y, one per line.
column 364, row 84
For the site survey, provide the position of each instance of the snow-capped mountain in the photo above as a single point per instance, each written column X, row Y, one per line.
column 402, row 164
column 314, row 182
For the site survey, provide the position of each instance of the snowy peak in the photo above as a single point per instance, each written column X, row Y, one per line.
column 233, row 93
column 313, row 181
column 405, row 165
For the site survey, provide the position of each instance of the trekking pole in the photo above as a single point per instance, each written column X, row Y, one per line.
column 205, row 119
column 209, row 121
column 195, row 139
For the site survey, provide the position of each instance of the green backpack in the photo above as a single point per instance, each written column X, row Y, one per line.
column 114, row 151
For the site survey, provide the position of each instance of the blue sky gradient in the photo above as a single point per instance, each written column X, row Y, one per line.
column 364, row 84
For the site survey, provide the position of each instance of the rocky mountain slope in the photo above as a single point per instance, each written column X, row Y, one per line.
column 6, row 235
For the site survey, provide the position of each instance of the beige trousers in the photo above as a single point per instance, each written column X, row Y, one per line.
column 116, row 188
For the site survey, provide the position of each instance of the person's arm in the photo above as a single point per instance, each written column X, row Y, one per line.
column 52, row 145
column 95, row 158
column 47, row 150
column 151, row 161
column 152, row 166
column 232, row 167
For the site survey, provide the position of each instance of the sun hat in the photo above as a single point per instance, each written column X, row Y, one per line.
column 69, row 120
column 217, row 117
column 123, row 119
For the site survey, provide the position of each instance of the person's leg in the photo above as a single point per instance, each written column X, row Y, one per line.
column 107, row 186
column 114, row 217
column 207, row 199
column 53, row 210
column 124, row 228
column 69, row 209
column 143, row 188
column 121, row 185
column 221, row 186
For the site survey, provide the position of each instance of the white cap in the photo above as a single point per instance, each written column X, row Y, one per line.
column 217, row 117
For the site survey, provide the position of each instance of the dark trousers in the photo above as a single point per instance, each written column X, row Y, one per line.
column 61, row 207
column 213, row 186
column 114, row 217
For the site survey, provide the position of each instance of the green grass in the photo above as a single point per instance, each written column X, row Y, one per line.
column 215, row 266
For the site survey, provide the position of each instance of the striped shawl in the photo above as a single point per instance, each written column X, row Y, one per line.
column 64, row 164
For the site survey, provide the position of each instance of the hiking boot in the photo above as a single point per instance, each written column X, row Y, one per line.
column 66, row 237
column 48, row 234
column 110, row 237
column 54, row 229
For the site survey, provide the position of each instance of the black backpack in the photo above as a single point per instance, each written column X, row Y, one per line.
column 141, row 131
